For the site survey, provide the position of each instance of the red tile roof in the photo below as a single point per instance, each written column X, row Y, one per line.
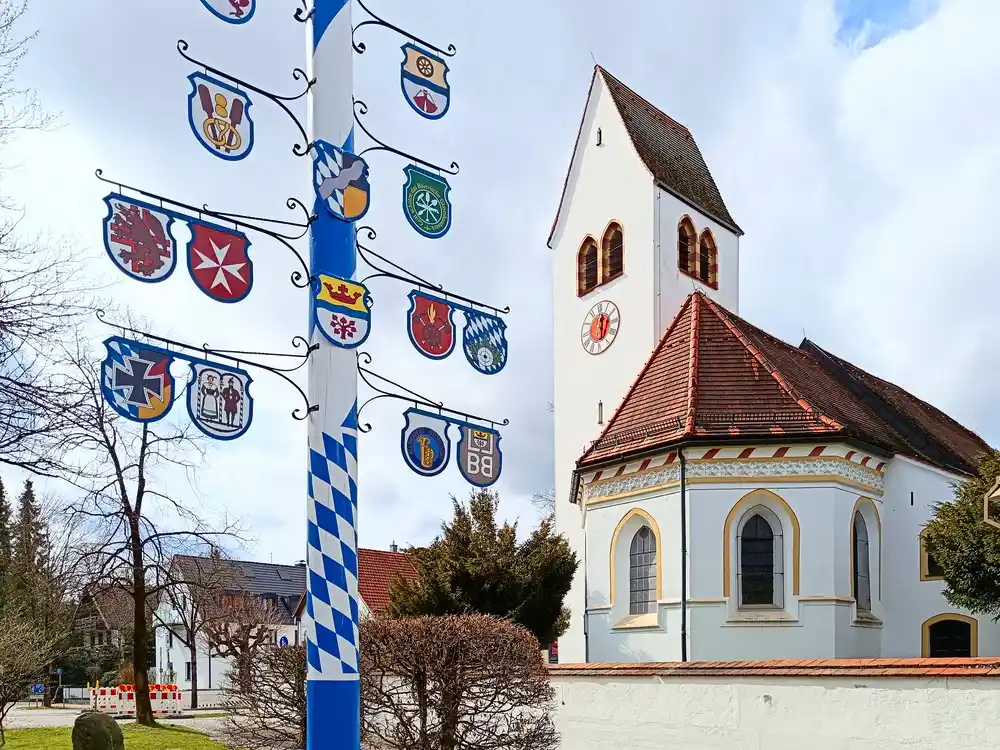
column 975, row 667
column 714, row 375
column 376, row 570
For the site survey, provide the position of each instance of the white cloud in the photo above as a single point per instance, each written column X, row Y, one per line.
column 865, row 180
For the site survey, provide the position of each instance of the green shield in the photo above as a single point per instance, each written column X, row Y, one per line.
column 425, row 202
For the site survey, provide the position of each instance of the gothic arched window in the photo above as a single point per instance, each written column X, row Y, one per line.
column 586, row 267
column 686, row 246
column 950, row 635
column 862, row 586
column 612, row 253
column 760, row 579
column 708, row 260
column 642, row 573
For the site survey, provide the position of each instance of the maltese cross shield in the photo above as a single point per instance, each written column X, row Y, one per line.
column 341, row 182
column 343, row 312
column 479, row 457
column 138, row 240
column 219, row 115
column 424, row 83
column 425, row 442
column 485, row 342
column 232, row 11
column 431, row 326
column 219, row 400
column 219, row 263
column 136, row 379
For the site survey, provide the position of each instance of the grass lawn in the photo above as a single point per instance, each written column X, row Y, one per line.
column 164, row 737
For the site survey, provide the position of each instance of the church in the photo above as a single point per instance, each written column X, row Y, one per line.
column 730, row 496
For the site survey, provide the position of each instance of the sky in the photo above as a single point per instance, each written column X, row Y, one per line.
column 857, row 143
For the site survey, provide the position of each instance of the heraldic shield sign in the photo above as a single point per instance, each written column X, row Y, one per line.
column 425, row 442
column 219, row 400
column 485, row 342
column 425, row 202
column 136, row 379
column 138, row 240
column 341, row 181
column 430, row 325
column 343, row 311
column 424, row 81
column 219, row 263
column 219, row 115
column 479, row 457
column 232, row 11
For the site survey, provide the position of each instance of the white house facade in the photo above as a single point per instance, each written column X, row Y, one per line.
column 731, row 496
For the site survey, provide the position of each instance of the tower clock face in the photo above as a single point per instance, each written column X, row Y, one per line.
column 600, row 327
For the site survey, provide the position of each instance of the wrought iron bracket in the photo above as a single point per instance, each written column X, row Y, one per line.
column 299, row 149
column 411, row 397
column 361, row 109
column 300, row 279
column 234, row 356
column 360, row 48
column 304, row 13
column 408, row 277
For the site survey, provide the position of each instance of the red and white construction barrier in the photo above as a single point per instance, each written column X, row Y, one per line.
column 120, row 701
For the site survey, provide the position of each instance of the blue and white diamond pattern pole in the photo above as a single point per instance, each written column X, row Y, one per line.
column 332, row 687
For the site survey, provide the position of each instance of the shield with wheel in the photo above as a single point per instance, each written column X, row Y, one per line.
column 425, row 82
column 425, row 202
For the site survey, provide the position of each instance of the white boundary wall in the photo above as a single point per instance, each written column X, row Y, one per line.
column 778, row 713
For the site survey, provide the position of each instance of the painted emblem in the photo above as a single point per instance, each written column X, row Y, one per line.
column 343, row 311
column 600, row 327
column 232, row 11
column 479, row 457
column 424, row 83
column 136, row 380
column 219, row 263
column 219, row 115
column 219, row 401
column 485, row 342
column 425, row 202
column 431, row 325
column 425, row 442
column 137, row 238
column 341, row 181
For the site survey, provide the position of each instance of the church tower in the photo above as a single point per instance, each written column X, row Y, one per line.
column 640, row 225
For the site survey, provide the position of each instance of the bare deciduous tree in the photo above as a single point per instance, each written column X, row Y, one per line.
column 24, row 653
column 244, row 627
column 464, row 682
column 133, row 528
column 272, row 714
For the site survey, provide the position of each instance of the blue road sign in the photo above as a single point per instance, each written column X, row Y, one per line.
column 284, row 641
column 38, row 689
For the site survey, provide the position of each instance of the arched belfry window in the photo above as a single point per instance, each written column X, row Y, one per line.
column 686, row 246
column 612, row 253
column 862, row 586
column 760, row 577
column 708, row 260
column 642, row 573
column 586, row 266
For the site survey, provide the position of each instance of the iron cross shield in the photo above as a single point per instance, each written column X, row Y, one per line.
column 479, row 456
column 219, row 262
column 430, row 325
column 136, row 380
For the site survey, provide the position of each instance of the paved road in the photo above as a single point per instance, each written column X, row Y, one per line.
column 21, row 717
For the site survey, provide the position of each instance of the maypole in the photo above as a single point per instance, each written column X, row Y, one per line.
column 332, row 688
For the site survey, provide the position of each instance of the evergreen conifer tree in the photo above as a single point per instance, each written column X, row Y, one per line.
column 5, row 544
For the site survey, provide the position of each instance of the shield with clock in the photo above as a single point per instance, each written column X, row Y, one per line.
column 600, row 327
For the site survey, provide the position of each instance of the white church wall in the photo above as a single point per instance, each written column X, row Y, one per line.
column 779, row 713
column 674, row 286
column 909, row 600
column 607, row 182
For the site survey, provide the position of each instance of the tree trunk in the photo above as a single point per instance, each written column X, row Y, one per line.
column 193, row 652
column 140, row 656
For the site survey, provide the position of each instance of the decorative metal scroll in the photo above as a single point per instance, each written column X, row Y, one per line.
column 138, row 239
column 425, row 441
column 137, row 383
column 360, row 48
column 218, row 109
